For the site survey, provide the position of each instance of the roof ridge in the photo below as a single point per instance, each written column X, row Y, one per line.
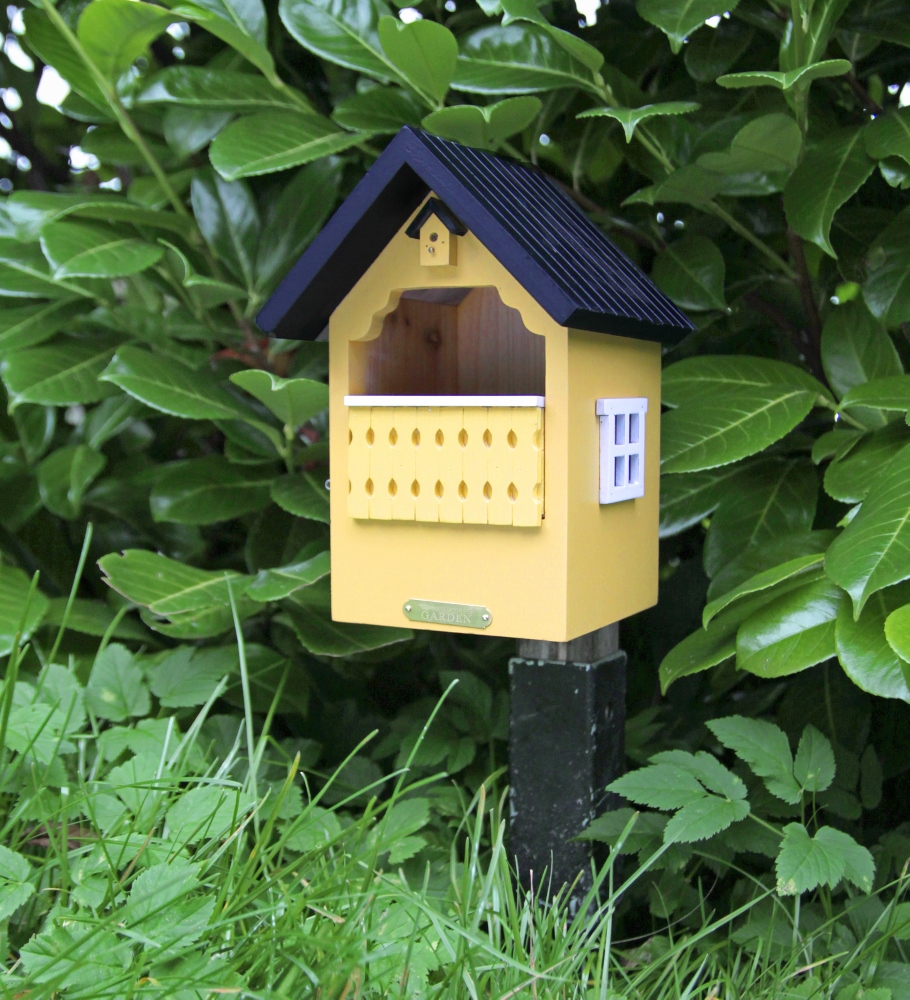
column 566, row 262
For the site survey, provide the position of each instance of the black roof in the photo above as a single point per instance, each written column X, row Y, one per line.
column 519, row 214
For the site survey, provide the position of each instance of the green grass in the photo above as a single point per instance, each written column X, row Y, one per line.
column 149, row 859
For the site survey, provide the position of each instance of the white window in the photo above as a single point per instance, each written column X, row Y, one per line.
column 622, row 448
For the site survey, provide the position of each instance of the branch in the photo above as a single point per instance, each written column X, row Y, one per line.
column 872, row 106
column 810, row 306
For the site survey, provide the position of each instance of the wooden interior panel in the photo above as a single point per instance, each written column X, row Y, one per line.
column 415, row 353
column 497, row 354
column 478, row 346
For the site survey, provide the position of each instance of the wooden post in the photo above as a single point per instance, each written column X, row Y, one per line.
column 566, row 724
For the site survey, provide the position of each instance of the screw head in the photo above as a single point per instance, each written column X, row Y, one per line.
column 486, row 618
column 431, row 249
column 407, row 607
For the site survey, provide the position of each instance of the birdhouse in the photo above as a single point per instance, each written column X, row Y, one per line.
column 494, row 377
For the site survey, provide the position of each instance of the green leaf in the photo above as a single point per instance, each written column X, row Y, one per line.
column 726, row 408
column 691, row 273
column 516, row 60
column 897, row 632
column 80, row 250
column 114, row 33
column 887, row 287
column 687, row 498
column 765, row 748
column 486, row 127
column 275, row 584
column 889, row 135
column 659, row 786
column 805, row 862
column 181, row 680
column 75, row 955
column 801, row 566
column 892, row 393
column 630, row 118
column 343, row 32
column 769, row 553
column 293, row 400
column 14, row 587
column 212, row 89
column 527, row 10
column 773, row 498
column 203, row 623
column 208, row 812
column 169, row 386
column 314, row 831
column 15, row 887
column 303, row 495
column 835, row 443
column 768, row 145
column 677, row 20
column 851, row 475
column 424, row 52
column 116, row 689
column 829, row 175
column 711, row 53
column 64, row 372
column 53, row 49
column 24, row 273
column 166, row 586
column 710, row 646
column 239, row 23
column 208, row 490
column 322, row 636
column 29, row 326
column 707, row 769
column 64, row 476
column 268, row 141
column 155, row 891
column 188, row 130
column 791, row 633
column 872, row 552
column 863, row 648
column 704, row 818
column 294, row 218
column 382, row 110
column 785, row 81
column 814, row 766
column 855, row 349
column 229, row 220
column 93, row 618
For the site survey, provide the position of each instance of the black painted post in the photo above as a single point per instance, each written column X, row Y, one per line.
column 566, row 724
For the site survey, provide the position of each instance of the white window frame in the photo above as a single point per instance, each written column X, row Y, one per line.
column 622, row 459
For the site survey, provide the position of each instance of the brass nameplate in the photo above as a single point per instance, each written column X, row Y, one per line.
column 440, row 613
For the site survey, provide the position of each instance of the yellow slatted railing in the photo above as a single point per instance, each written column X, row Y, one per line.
column 457, row 465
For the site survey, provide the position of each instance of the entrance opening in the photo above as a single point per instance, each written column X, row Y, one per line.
column 450, row 342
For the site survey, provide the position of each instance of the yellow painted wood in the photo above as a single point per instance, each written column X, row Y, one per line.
column 585, row 565
column 382, row 423
column 358, row 462
column 499, row 465
column 435, row 464
column 404, row 462
column 426, row 467
column 612, row 548
column 474, row 460
column 437, row 244
column 447, row 486
column 527, row 466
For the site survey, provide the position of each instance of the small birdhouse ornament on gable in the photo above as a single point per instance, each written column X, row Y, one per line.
column 494, row 380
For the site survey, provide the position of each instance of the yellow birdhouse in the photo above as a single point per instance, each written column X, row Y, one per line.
column 494, row 377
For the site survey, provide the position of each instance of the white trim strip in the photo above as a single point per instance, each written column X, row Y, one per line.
column 437, row 401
